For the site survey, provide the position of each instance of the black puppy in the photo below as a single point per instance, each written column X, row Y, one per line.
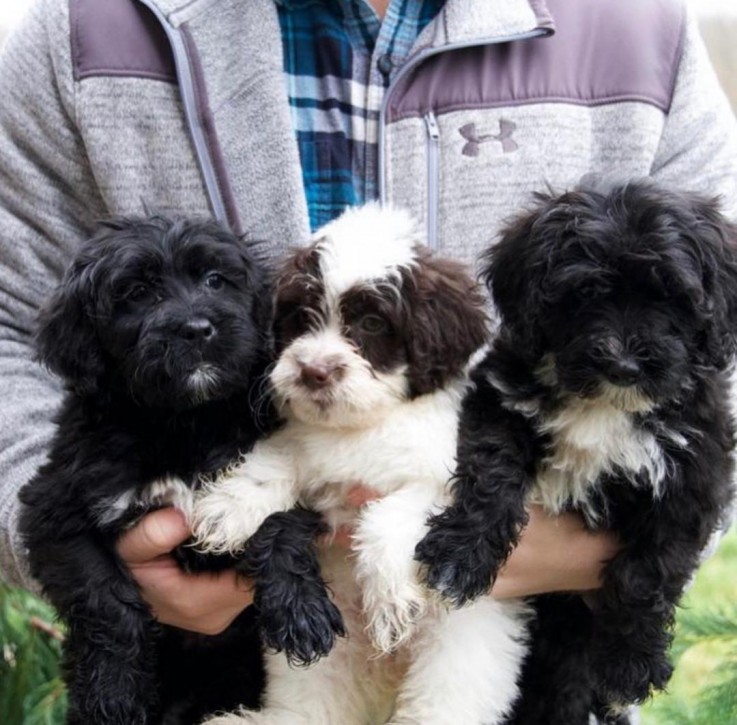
column 160, row 331
column 604, row 393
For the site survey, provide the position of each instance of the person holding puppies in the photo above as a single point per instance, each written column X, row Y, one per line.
column 272, row 116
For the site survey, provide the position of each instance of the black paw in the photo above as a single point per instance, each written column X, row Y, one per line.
column 629, row 677
column 302, row 624
column 614, row 717
column 458, row 565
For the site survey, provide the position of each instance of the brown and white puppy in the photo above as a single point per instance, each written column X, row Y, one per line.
column 374, row 338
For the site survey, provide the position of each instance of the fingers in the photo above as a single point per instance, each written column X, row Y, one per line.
column 343, row 536
column 154, row 535
column 359, row 495
column 204, row 603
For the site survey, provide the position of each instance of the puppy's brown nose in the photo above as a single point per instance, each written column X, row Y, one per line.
column 318, row 375
column 198, row 328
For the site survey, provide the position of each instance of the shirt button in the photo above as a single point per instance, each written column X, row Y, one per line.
column 385, row 64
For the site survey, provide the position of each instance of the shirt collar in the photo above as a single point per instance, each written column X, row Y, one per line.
column 304, row 3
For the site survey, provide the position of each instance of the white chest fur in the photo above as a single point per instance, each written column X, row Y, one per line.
column 414, row 441
column 413, row 444
column 590, row 438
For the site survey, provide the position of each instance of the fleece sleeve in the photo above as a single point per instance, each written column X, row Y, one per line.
column 698, row 149
column 47, row 199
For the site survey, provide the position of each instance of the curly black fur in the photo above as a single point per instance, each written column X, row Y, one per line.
column 160, row 330
column 296, row 614
column 600, row 291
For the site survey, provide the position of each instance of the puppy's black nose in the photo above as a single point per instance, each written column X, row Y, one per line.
column 317, row 375
column 198, row 328
column 624, row 371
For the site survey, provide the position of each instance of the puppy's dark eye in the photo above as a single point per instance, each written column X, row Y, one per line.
column 137, row 292
column 373, row 325
column 291, row 321
column 214, row 281
column 590, row 291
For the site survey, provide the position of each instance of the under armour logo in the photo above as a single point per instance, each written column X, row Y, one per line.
column 474, row 140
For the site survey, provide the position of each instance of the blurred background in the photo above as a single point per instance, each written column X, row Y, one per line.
column 704, row 688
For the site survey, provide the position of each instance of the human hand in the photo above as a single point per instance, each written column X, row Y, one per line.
column 205, row 602
column 555, row 554
column 357, row 497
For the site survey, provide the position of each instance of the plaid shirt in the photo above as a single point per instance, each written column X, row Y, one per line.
column 338, row 60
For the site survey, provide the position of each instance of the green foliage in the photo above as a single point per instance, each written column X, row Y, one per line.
column 704, row 687
column 706, row 635
column 31, row 690
column 697, row 626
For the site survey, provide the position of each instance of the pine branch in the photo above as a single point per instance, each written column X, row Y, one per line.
column 42, row 626
column 698, row 627
column 31, row 689
column 717, row 703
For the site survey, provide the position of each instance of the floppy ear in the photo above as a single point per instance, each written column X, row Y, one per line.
column 713, row 240
column 262, row 277
column 515, row 268
column 66, row 339
column 446, row 319
column 298, row 287
column 254, row 257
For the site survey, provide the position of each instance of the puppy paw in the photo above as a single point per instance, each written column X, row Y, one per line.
column 231, row 718
column 267, row 716
column 630, row 678
column 299, row 621
column 393, row 598
column 220, row 525
column 459, row 566
column 229, row 509
column 391, row 622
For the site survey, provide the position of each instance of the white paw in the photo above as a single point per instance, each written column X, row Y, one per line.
column 230, row 718
column 229, row 509
column 267, row 716
column 391, row 619
column 221, row 524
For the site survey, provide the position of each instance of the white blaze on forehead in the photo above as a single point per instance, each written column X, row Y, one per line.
column 364, row 244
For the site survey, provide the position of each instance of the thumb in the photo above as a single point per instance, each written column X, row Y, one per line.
column 154, row 535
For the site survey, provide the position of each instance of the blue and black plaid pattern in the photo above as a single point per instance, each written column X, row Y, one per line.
column 338, row 60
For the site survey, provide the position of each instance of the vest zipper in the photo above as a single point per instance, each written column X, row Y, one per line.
column 194, row 122
column 433, row 178
column 410, row 65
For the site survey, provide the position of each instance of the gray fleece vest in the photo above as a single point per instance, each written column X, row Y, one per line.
column 497, row 99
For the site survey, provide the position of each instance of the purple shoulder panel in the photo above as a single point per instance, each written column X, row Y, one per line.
column 601, row 52
column 118, row 38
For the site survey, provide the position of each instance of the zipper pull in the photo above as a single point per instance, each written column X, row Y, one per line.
column 433, row 178
column 432, row 126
